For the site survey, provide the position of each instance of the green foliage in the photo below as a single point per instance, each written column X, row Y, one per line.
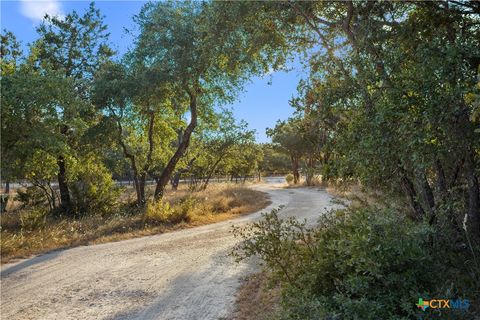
column 366, row 263
column 391, row 100
column 301, row 137
column 92, row 186
column 224, row 147
column 31, row 196
column 287, row 137
column 244, row 160
column 41, row 166
column 289, row 178
column 45, row 100
column 274, row 162
column 76, row 44
column 33, row 219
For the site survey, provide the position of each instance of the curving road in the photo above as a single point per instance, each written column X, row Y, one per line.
column 179, row 275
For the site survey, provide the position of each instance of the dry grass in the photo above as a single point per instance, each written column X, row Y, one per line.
column 355, row 194
column 317, row 182
column 24, row 233
column 257, row 299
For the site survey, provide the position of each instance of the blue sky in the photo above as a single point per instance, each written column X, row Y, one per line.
column 261, row 104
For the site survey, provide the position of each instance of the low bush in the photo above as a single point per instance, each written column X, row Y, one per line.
column 93, row 189
column 289, row 178
column 366, row 263
column 185, row 209
column 33, row 219
column 31, row 196
column 164, row 212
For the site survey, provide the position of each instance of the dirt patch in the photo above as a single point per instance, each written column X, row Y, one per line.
column 257, row 299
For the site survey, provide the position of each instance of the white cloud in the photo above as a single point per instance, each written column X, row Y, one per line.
column 36, row 10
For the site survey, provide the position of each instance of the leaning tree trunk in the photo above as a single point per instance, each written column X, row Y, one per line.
column 176, row 178
column 65, row 200
column 473, row 197
column 182, row 147
column 411, row 194
column 141, row 189
column 429, row 197
column 212, row 171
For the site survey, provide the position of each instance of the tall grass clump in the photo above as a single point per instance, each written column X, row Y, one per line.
column 163, row 212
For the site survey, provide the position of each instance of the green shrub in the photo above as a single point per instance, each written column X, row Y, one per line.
column 31, row 196
column 33, row 219
column 158, row 211
column 311, row 176
column 185, row 209
column 289, row 178
column 360, row 264
column 93, row 189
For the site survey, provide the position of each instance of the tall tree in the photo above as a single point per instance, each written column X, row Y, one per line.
column 215, row 146
column 30, row 98
column 287, row 137
column 180, row 44
column 75, row 46
column 9, row 65
column 398, row 85
column 144, row 129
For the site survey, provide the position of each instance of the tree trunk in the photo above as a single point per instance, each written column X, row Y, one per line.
column 182, row 147
column 441, row 179
column 138, row 180
column 296, row 175
column 176, row 180
column 212, row 171
column 409, row 191
column 65, row 200
column 136, row 183
column 429, row 197
column 456, row 173
column 310, row 170
column 473, row 197
column 141, row 189
column 52, row 195
column 5, row 197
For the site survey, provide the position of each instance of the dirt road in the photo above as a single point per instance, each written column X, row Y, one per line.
column 180, row 275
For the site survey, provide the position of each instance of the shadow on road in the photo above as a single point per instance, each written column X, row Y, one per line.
column 196, row 295
column 29, row 262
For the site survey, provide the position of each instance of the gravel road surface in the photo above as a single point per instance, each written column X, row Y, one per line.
column 184, row 275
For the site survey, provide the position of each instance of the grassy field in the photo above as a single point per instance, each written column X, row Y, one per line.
column 25, row 232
